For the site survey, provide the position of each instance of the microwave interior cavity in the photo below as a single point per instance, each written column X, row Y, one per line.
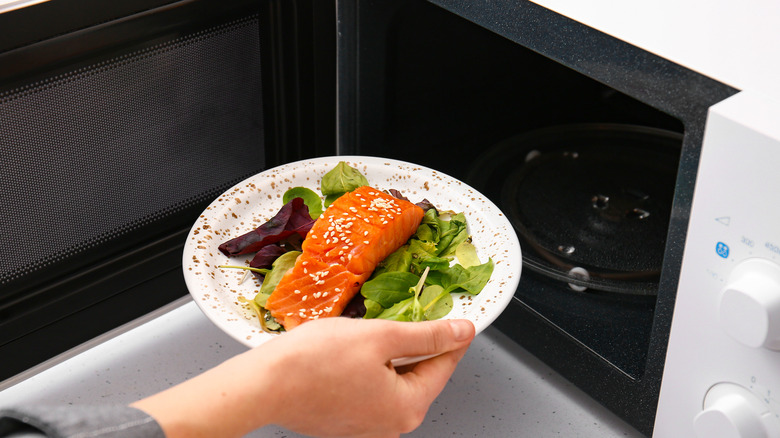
column 585, row 172
column 574, row 135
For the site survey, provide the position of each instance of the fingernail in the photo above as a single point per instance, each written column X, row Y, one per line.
column 459, row 330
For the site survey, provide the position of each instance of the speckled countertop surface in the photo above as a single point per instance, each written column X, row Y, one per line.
column 498, row 390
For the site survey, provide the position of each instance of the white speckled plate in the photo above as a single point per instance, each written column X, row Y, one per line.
column 255, row 200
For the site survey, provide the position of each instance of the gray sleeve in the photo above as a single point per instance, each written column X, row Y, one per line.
column 105, row 421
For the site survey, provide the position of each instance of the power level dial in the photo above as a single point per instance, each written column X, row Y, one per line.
column 732, row 411
column 750, row 304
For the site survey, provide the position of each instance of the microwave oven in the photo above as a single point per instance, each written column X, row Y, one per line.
column 625, row 173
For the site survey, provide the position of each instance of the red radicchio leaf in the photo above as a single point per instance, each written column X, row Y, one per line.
column 356, row 308
column 424, row 204
column 292, row 218
column 397, row 194
column 266, row 257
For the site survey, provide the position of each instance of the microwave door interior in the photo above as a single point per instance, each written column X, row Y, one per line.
column 119, row 123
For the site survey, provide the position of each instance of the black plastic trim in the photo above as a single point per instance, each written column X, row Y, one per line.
column 88, row 45
column 54, row 18
column 299, row 73
column 78, row 307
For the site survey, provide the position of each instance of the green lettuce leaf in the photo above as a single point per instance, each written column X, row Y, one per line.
column 459, row 279
column 436, row 302
column 373, row 309
column 390, row 288
column 280, row 266
column 399, row 261
column 467, row 255
column 341, row 179
column 310, row 198
column 401, row 311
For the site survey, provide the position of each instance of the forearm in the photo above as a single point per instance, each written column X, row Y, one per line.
column 220, row 402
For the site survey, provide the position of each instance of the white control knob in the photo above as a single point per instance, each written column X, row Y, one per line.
column 731, row 411
column 750, row 304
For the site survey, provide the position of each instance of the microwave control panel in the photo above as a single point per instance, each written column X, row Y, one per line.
column 722, row 372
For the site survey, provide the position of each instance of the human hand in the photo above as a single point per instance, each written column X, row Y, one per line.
column 327, row 378
column 345, row 384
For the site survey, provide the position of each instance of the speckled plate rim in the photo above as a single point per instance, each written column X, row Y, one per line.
column 253, row 201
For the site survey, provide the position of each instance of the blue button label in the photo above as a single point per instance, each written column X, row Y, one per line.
column 722, row 249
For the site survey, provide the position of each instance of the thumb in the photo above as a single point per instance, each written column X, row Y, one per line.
column 430, row 337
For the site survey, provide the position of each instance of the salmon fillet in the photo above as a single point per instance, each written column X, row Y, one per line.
column 342, row 249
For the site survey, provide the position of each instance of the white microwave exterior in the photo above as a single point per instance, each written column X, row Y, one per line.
column 722, row 371
column 736, row 42
column 719, row 380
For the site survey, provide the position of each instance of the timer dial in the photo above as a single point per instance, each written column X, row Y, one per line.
column 750, row 304
column 732, row 411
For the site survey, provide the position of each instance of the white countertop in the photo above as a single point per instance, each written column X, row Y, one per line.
column 498, row 390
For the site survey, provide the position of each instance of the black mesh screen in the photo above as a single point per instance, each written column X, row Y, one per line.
column 91, row 155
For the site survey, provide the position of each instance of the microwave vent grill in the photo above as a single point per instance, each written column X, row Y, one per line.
column 126, row 145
